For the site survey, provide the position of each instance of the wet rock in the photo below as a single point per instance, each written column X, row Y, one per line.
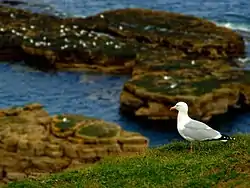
column 28, row 146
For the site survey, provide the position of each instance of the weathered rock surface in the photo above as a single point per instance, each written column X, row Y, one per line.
column 149, row 44
column 32, row 142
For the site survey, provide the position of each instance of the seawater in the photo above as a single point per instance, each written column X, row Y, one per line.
column 96, row 94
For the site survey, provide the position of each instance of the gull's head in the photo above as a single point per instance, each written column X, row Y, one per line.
column 181, row 107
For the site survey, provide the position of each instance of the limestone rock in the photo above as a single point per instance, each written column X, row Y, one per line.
column 16, row 175
column 49, row 164
column 28, row 146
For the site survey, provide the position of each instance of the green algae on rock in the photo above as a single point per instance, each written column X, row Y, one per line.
column 33, row 143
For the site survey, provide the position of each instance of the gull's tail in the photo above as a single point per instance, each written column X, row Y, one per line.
column 225, row 138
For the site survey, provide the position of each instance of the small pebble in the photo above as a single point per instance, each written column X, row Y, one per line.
column 120, row 27
column 192, row 62
column 44, row 38
column 2, row 29
column 62, row 26
column 94, row 43
column 32, row 26
column 75, row 26
column 31, row 40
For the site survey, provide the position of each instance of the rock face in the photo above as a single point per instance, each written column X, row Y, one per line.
column 193, row 53
column 33, row 143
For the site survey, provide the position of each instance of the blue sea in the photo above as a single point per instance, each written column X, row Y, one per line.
column 97, row 94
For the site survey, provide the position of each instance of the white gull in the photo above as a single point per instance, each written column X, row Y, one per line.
column 193, row 130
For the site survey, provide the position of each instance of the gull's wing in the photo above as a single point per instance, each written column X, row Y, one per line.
column 200, row 131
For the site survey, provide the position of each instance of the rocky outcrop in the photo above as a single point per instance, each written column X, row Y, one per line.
column 208, row 87
column 193, row 54
column 112, row 41
column 33, row 143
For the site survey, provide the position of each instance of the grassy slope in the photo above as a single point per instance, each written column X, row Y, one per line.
column 213, row 164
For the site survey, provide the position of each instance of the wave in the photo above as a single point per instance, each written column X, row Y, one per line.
column 235, row 26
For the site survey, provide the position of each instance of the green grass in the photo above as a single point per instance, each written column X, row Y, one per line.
column 212, row 164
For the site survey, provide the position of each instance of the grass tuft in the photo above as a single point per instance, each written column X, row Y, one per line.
column 212, row 164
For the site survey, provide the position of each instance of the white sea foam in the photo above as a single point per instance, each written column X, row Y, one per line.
column 235, row 26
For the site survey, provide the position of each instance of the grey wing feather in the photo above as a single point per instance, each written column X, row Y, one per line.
column 200, row 131
column 196, row 125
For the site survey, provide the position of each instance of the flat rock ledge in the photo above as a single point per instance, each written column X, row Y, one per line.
column 172, row 57
column 208, row 88
column 32, row 143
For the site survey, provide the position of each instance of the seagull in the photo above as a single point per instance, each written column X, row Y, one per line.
column 193, row 130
